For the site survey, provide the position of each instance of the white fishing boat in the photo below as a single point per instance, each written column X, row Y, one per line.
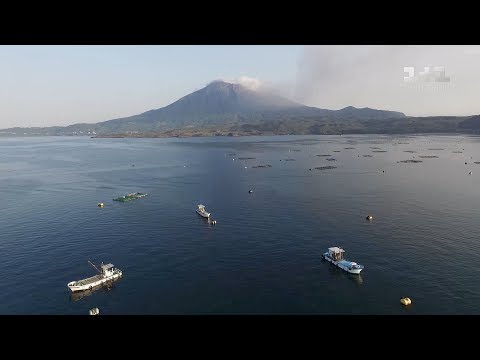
column 335, row 255
column 108, row 273
column 202, row 212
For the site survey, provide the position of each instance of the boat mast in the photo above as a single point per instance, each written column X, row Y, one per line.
column 94, row 266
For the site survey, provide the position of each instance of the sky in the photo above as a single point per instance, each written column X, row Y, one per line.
column 62, row 85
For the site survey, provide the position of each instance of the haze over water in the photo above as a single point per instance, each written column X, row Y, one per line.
column 264, row 254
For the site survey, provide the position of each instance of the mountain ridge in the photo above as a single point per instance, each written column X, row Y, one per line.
column 223, row 108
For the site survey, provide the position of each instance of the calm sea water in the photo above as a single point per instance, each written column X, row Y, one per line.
column 264, row 254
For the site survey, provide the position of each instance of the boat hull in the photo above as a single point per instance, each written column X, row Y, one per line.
column 342, row 265
column 203, row 214
column 79, row 286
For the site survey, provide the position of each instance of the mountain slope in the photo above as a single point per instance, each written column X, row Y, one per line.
column 217, row 103
column 220, row 104
column 472, row 122
column 351, row 112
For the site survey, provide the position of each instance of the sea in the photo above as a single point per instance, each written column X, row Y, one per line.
column 264, row 254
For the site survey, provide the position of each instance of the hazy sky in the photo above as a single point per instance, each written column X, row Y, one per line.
column 61, row 85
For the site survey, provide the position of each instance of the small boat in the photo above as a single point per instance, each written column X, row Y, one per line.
column 202, row 212
column 335, row 255
column 108, row 274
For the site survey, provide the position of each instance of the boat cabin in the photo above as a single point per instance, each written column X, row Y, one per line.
column 336, row 253
column 107, row 269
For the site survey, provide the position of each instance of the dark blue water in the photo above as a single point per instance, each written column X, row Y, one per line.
column 264, row 254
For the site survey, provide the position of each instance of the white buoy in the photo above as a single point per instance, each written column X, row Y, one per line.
column 406, row 301
column 100, row 204
column 94, row 311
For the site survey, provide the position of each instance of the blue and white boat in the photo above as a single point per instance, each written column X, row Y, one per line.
column 335, row 255
column 202, row 211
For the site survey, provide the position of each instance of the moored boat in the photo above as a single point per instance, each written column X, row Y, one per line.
column 202, row 212
column 108, row 273
column 335, row 255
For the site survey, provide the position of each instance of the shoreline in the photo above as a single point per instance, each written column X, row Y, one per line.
column 201, row 134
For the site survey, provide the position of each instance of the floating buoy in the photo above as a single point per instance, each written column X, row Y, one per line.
column 369, row 217
column 245, row 167
column 94, row 311
column 405, row 301
column 250, row 191
column 465, row 163
column 383, row 170
column 100, row 204
column 470, row 173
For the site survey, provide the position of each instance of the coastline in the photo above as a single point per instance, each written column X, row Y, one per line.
column 201, row 133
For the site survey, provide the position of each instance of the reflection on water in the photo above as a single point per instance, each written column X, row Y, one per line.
column 264, row 242
column 339, row 274
column 78, row 295
column 355, row 278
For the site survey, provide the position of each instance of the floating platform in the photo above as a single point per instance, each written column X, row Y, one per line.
column 410, row 161
column 130, row 197
column 261, row 166
column 325, row 167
